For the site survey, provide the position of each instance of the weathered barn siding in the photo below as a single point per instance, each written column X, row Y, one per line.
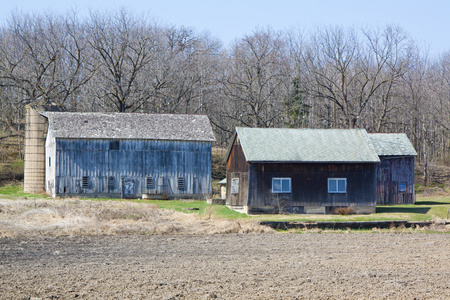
column 175, row 168
column 309, row 186
column 392, row 171
column 280, row 170
column 237, row 169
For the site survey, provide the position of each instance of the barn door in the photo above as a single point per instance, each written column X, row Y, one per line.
column 128, row 188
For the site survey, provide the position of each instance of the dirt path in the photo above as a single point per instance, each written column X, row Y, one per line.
column 254, row 266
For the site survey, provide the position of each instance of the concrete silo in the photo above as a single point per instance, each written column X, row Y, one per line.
column 34, row 166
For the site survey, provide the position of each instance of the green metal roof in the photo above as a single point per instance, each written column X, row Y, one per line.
column 392, row 144
column 306, row 145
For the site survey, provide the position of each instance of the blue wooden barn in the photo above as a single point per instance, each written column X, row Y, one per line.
column 128, row 155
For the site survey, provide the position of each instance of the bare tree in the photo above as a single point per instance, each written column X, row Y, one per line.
column 350, row 75
column 41, row 63
column 256, row 80
column 123, row 47
column 183, row 67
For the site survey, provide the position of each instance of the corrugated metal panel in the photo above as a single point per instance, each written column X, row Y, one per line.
column 130, row 126
column 306, row 145
column 391, row 144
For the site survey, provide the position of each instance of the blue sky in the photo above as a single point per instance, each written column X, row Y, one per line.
column 426, row 21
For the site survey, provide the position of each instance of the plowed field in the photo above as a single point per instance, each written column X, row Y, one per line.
column 233, row 266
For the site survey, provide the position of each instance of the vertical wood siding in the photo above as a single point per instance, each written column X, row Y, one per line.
column 237, row 167
column 163, row 161
column 310, row 185
column 390, row 172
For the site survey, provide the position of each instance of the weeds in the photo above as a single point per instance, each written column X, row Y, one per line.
column 344, row 210
column 43, row 217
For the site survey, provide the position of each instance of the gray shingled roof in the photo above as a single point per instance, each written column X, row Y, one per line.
column 392, row 144
column 130, row 126
column 306, row 145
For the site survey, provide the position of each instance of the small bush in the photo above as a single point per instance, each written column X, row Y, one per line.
column 12, row 171
column 344, row 210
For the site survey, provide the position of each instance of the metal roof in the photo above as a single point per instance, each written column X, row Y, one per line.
column 306, row 145
column 129, row 126
column 392, row 144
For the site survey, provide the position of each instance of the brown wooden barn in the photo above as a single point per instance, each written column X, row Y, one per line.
column 395, row 173
column 301, row 171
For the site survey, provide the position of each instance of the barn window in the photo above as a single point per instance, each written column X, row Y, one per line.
column 111, row 182
column 85, row 182
column 281, row 185
column 235, row 185
column 402, row 186
column 337, row 185
column 180, row 183
column 149, row 183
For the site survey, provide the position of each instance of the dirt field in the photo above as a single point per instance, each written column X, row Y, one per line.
column 234, row 266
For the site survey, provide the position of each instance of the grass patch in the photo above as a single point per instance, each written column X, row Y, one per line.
column 11, row 191
column 426, row 208
column 194, row 207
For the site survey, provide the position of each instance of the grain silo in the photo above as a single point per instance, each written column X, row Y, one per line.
column 34, row 166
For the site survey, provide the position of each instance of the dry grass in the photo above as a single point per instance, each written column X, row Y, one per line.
column 344, row 210
column 44, row 217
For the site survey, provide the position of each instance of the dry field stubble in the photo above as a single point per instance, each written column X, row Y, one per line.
column 42, row 217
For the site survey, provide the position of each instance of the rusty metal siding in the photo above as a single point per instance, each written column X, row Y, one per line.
column 163, row 161
column 310, row 185
column 390, row 172
column 237, row 167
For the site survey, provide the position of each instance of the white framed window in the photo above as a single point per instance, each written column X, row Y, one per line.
column 402, row 186
column 337, row 185
column 281, row 185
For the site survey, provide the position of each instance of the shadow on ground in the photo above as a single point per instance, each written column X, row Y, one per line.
column 411, row 210
column 431, row 203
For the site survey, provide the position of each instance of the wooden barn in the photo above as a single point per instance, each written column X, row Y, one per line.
column 395, row 173
column 128, row 155
column 301, row 171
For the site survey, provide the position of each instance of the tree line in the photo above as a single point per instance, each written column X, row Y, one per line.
column 379, row 79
